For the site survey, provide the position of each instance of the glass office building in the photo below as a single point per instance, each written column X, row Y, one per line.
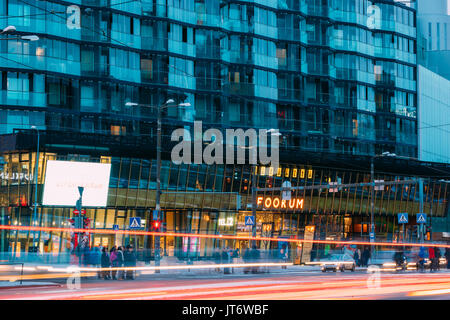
column 336, row 77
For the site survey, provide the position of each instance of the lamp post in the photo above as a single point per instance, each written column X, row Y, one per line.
column 158, row 165
column 393, row 155
column 36, row 166
column 273, row 132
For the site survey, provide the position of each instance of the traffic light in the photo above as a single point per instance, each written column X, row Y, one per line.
column 156, row 225
column 428, row 233
column 86, row 222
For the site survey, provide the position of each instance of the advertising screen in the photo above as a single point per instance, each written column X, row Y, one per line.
column 62, row 179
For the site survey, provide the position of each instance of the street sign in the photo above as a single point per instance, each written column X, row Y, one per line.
column 421, row 218
column 115, row 227
column 76, row 211
column 372, row 236
column 402, row 217
column 155, row 214
column 249, row 220
column 135, row 223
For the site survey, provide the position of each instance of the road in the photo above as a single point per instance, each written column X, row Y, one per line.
column 301, row 285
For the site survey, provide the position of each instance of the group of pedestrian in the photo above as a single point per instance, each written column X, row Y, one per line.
column 225, row 257
column 251, row 256
column 362, row 259
column 434, row 255
column 117, row 259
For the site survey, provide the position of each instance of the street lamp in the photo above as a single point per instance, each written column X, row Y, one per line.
column 158, row 165
column 36, row 165
column 9, row 29
column 12, row 30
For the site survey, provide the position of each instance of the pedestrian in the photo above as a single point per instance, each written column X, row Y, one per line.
column 437, row 257
column 114, row 262
column 431, row 257
column 247, row 258
column 447, row 257
column 284, row 254
column 120, row 263
column 130, row 262
column 365, row 257
column 217, row 258
column 226, row 260
column 255, row 255
column 105, row 263
column 356, row 257
column 95, row 259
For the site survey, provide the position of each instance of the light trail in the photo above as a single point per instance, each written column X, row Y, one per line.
column 218, row 236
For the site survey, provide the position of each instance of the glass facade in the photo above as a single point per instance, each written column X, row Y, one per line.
column 317, row 70
column 215, row 200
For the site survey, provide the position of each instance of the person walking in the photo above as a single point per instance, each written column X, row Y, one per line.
column 247, row 258
column 105, row 263
column 130, row 262
column 437, row 257
column 255, row 258
column 120, row 263
column 357, row 256
column 447, row 257
column 114, row 262
column 217, row 258
column 421, row 260
column 95, row 259
column 226, row 260
column 365, row 257
column 431, row 257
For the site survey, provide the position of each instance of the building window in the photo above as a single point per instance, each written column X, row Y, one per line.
column 118, row 130
column 147, row 69
column 185, row 37
column 430, row 44
column 445, row 36
column 438, row 36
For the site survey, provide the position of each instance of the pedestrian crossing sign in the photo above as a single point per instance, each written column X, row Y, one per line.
column 249, row 220
column 421, row 218
column 403, row 217
column 135, row 223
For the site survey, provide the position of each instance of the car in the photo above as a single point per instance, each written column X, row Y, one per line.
column 337, row 262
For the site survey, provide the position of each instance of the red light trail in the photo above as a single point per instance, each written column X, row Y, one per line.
column 217, row 236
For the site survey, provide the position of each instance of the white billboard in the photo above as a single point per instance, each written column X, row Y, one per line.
column 62, row 179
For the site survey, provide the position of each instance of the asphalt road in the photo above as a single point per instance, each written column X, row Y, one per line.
column 302, row 285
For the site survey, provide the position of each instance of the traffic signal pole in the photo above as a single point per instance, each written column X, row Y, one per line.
column 253, row 206
column 158, row 188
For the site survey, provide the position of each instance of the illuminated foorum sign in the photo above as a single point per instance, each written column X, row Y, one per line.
column 278, row 203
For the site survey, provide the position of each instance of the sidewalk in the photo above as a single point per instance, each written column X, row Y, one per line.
column 26, row 284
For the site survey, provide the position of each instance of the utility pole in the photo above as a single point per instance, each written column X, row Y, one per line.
column 80, row 224
column 422, row 225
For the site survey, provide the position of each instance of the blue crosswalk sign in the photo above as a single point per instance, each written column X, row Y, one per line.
column 135, row 223
column 402, row 217
column 115, row 227
column 249, row 220
column 421, row 218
